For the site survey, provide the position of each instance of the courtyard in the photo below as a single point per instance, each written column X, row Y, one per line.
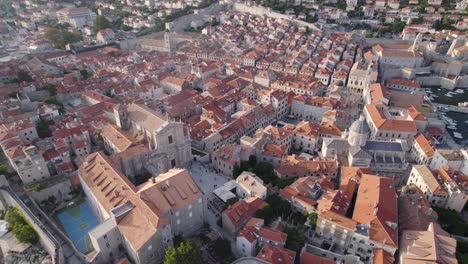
column 77, row 220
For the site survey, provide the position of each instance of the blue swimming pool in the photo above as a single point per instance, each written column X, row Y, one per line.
column 77, row 221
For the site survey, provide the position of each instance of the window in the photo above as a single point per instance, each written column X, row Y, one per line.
column 169, row 139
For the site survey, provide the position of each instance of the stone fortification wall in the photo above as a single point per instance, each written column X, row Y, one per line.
column 261, row 11
column 48, row 242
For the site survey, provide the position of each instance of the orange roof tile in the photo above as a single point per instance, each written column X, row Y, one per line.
column 376, row 204
column 242, row 210
column 339, row 219
column 425, row 145
column 382, row 122
column 309, row 258
column 272, row 235
column 276, row 255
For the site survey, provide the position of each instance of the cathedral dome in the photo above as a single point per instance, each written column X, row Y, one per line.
column 360, row 126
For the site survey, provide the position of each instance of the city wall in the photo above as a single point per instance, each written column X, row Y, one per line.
column 260, row 11
column 48, row 242
column 461, row 82
column 373, row 41
column 61, row 191
column 183, row 22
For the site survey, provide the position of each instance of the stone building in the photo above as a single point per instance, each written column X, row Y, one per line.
column 139, row 220
column 360, row 76
column 443, row 187
column 168, row 141
column 359, row 151
column 28, row 163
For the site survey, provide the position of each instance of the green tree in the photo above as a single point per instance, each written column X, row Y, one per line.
column 14, row 217
column 62, row 37
column 124, row 27
column 236, row 171
column 222, row 248
column 252, row 160
column 22, row 230
column 50, row 88
column 281, row 206
column 186, row 253
column 4, row 170
column 445, row 23
column 101, row 22
column 42, row 128
column 312, row 219
column 462, row 252
column 398, row 26
column 267, row 213
column 84, row 73
column 422, row 6
column 13, row 94
column 171, row 256
column 281, row 183
column 264, row 170
column 177, row 240
column 296, row 239
column 232, row 201
column 23, row 76
column 53, row 100
column 451, row 221
column 26, row 234
column 382, row 18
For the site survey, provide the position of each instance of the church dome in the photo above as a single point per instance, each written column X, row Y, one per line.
column 360, row 126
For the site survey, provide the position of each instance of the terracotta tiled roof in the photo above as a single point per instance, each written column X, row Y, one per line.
column 382, row 122
column 425, row 144
column 350, row 178
column 276, row 255
column 295, row 166
column 415, row 114
column 249, row 233
column 274, row 150
column 404, row 82
column 307, row 129
column 243, row 210
column 431, row 246
column 111, row 188
column 119, row 138
column 272, row 235
column 376, row 204
column 309, row 258
column 339, row 219
column 414, row 210
column 279, row 133
column 430, row 180
column 382, row 257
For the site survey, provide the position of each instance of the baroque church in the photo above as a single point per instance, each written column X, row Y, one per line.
column 168, row 141
column 356, row 149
